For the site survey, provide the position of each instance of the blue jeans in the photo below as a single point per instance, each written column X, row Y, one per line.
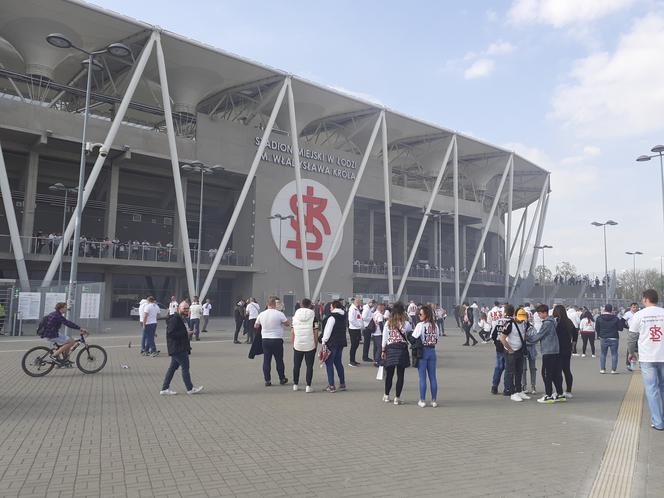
column 334, row 361
column 180, row 360
column 427, row 366
column 498, row 372
column 653, row 382
column 605, row 344
column 195, row 324
column 147, row 341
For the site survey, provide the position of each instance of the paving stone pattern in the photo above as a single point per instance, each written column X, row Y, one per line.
column 112, row 434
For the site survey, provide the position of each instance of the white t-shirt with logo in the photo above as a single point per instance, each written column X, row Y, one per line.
column 272, row 323
column 253, row 310
column 152, row 311
column 649, row 324
column 195, row 311
column 206, row 309
column 141, row 309
column 172, row 307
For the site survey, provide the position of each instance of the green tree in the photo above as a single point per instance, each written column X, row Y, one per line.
column 543, row 274
column 566, row 270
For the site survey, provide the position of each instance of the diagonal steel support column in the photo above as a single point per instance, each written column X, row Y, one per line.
column 487, row 226
column 457, row 262
column 538, row 209
column 13, row 225
column 175, row 165
column 99, row 162
column 387, row 192
column 508, row 230
column 245, row 190
column 518, row 231
column 349, row 203
column 425, row 218
column 298, row 186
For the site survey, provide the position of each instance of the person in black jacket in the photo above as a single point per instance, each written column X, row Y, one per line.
column 179, row 347
column 565, row 330
column 468, row 319
column 607, row 327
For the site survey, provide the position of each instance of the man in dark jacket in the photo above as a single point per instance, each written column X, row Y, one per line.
column 177, row 341
column 607, row 327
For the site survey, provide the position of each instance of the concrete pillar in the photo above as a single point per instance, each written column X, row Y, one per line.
column 107, row 305
column 112, row 202
column 462, row 248
column 30, row 199
column 371, row 235
column 243, row 233
column 176, row 224
column 405, row 240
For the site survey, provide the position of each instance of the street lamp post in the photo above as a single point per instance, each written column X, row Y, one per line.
column 439, row 255
column 278, row 216
column 659, row 152
column 606, row 261
column 634, row 254
column 543, row 268
column 59, row 40
column 199, row 167
column 59, row 187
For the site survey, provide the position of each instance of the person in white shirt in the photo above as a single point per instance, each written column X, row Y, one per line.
column 412, row 312
column 272, row 323
column 355, row 325
column 334, row 339
column 647, row 330
column 173, row 306
column 252, row 310
column 195, row 314
column 574, row 315
column 367, row 312
column 207, row 307
column 627, row 318
column 150, row 317
column 305, row 341
column 141, row 312
column 378, row 319
column 495, row 314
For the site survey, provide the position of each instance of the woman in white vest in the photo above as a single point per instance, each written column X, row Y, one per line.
column 305, row 341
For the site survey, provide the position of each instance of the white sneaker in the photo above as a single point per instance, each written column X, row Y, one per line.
column 602, row 371
column 195, row 390
column 568, row 395
column 613, row 372
column 575, row 354
column 309, row 389
column 421, row 404
column 434, row 404
column 523, row 395
column 167, row 392
column 593, row 356
column 295, row 387
column 386, row 398
column 397, row 401
column 583, row 355
column 516, row 397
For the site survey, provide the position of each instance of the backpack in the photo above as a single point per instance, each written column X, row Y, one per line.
column 41, row 328
column 371, row 327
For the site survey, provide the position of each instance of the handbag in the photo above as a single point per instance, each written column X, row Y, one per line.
column 379, row 374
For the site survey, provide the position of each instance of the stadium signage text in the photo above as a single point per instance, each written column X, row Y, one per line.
column 315, row 161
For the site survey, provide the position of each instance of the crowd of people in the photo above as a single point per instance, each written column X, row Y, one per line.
column 573, row 280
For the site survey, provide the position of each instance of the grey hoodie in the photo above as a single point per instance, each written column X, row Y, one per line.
column 546, row 336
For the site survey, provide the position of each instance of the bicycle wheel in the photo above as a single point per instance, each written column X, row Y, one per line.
column 35, row 363
column 91, row 359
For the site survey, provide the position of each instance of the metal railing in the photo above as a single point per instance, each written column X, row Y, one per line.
column 434, row 273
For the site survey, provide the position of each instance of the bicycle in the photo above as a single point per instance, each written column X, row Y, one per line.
column 91, row 359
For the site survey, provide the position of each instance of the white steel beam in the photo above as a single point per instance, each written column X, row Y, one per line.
column 245, row 190
column 175, row 165
column 302, row 229
column 518, row 231
column 388, row 205
column 457, row 262
column 99, row 162
column 349, row 202
column 13, row 225
column 425, row 217
column 508, row 231
column 487, row 226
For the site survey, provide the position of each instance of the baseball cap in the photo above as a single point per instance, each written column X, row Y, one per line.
column 521, row 315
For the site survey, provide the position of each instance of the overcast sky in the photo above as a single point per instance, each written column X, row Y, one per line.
column 577, row 86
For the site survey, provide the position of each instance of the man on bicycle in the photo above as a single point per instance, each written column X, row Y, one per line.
column 51, row 332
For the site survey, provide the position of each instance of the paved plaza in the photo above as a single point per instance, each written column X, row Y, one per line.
column 112, row 434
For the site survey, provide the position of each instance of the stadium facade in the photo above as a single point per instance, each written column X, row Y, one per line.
column 391, row 205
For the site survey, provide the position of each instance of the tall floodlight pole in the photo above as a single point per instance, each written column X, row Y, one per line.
column 543, row 269
column 199, row 167
column 59, row 187
column 606, row 261
column 59, row 40
column 634, row 254
column 659, row 152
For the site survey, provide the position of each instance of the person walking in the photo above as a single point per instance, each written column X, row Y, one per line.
column 173, row 306
column 511, row 335
column 587, row 331
column 565, row 329
column 305, row 341
column 551, row 370
column 395, row 350
column 239, row 315
column 645, row 330
column 378, row 319
column 468, row 324
column 150, row 317
column 179, row 348
column 195, row 314
column 529, row 354
column 367, row 314
column 334, row 339
column 627, row 319
column 607, row 326
column 575, row 317
column 355, row 325
column 485, row 328
column 426, row 331
column 272, row 323
column 207, row 307
column 441, row 314
column 252, row 312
